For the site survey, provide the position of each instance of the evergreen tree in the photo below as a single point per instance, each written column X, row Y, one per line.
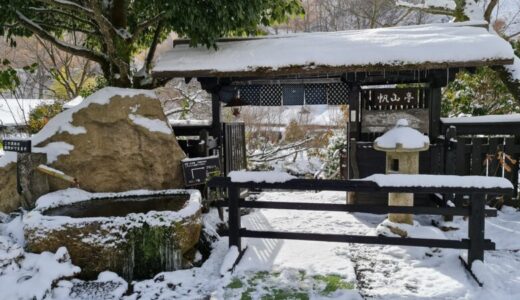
column 116, row 30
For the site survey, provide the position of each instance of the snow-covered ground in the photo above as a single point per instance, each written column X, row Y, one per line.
column 283, row 269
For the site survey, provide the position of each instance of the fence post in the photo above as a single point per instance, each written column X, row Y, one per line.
column 450, row 157
column 234, row 217
column 476, row 228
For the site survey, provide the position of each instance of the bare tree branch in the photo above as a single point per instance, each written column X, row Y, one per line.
column 64, row 13
column 489, row 10
column 73, row 49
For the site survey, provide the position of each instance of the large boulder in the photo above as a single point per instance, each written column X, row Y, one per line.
column 115, row 140
column 9, row 198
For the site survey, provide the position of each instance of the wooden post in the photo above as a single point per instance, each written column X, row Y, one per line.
column 203, row 143
column 234, row 217
column 354, row 113
column 460, row 165
column 351, row 196
column 31, row 184
column 435, row 112
column 476, row 228
column 216, row 131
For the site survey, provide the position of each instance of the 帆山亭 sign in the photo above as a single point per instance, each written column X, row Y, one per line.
column 398, row 97
column 198, row 170
column 21, row 146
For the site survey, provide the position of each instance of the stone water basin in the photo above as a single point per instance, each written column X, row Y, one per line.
column 136, row 234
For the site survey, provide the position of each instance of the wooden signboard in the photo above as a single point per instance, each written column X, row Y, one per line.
column 383, row 107
column 20, row 146
column 399, row 98
column 197, row 170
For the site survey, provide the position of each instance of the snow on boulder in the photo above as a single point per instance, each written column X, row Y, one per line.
column 114, row 140
column 402, row 138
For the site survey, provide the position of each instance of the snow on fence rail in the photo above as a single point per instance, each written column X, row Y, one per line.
column 476, row 212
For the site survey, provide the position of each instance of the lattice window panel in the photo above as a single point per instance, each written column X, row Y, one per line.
column 271, row 95
column 293, row 94
column 315, row 94
column 337, row 93
column 250, row 94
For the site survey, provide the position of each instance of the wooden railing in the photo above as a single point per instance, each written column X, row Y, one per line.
column 476, row 244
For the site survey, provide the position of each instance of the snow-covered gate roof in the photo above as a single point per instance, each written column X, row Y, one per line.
column 433, row 46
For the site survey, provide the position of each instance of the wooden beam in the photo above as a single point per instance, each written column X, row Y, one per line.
column 382, row 240
column 512, row 128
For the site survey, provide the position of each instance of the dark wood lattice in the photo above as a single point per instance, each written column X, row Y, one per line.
column 295, row 94
column 315, row 94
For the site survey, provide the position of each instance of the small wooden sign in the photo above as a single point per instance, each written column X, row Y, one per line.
column 399, row 98
column 198, row 170
column 20, row 146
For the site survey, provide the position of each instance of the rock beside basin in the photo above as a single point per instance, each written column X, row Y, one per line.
column 135, row 246
column 115, row 140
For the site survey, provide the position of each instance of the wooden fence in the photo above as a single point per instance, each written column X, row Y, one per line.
column 476, row 212
column 489, row 154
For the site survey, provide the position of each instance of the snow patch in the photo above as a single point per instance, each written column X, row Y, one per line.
column 154, row 125
column 440, row 181
column 515, row 69
column 180, row 123
column 229, row 260
column 35, row 276
column 512, row 118
column 7, row 158
column 54, row 150
column 15, row 112
column 74, row 102
column 75, row 195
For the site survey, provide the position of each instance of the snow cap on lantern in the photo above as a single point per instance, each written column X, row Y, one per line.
column 402, row 138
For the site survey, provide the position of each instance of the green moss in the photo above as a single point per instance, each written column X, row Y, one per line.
column 153, row 247
column 266, row 286
column 247, row 294
column 333, row 283
column 279, row 294
column 235, row 284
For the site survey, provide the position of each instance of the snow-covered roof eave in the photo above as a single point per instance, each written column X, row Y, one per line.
column 433, row 46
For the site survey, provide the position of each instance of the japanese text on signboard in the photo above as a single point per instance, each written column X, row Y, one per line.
column 396, row 98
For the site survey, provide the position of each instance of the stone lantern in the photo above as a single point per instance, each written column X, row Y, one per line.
column 402, row 145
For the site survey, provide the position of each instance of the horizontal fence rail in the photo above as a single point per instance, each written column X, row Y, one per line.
column 476, row 244
column 359, row 208
column 351, row 186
